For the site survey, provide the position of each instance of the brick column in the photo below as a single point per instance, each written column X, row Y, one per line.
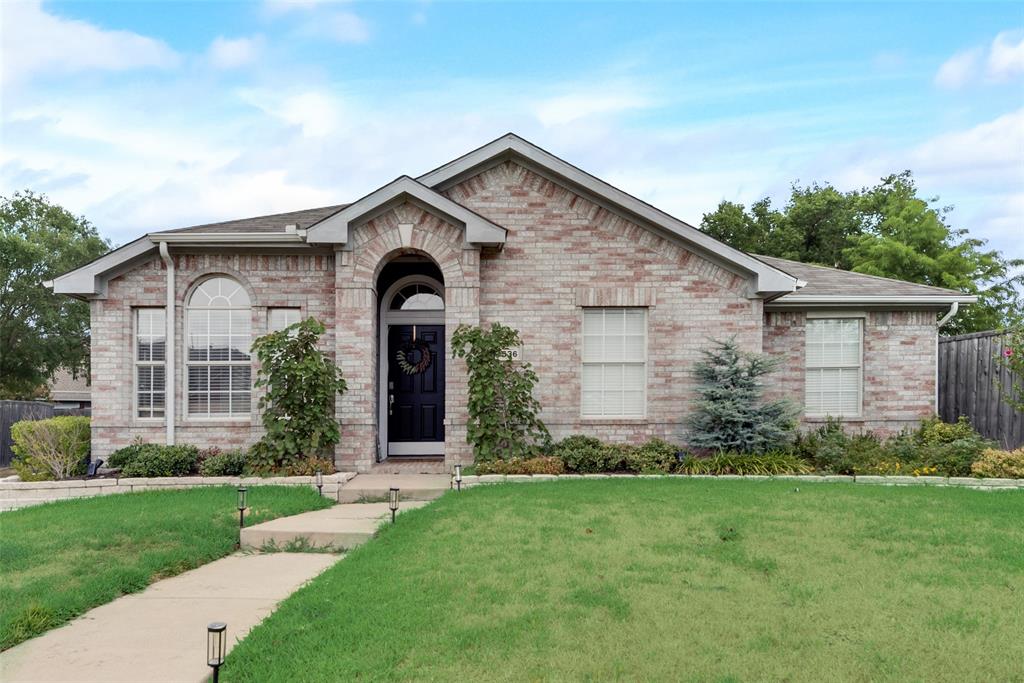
column 355, row 346
column 462, row 307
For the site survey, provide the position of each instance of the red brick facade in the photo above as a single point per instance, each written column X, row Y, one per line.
column 563, row 252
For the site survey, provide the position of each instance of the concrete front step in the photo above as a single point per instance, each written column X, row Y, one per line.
column 370, row 488
column 341, row 527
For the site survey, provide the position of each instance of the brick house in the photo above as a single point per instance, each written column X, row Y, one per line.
column 614, row 300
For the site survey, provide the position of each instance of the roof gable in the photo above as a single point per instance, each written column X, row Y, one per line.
column 335, row 229
column 768, row 279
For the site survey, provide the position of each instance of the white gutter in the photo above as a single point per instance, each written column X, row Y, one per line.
column 798, row 300
column 237, row 238
column 169, row 316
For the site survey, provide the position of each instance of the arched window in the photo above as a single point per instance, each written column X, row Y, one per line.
column 417, row 297
column 219, row 330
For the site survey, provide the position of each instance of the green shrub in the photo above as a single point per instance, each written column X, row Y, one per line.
column 653, row 457
column 746, row 463
column 302, row 384
column 997, row 463
column 56, row 448
column 504, row 416
column 302, row 467
column 587, row 455
column 154, row 460
column 830, row 449
column 539, row 465
column 223, row 463
column 939, row 448
column 934, row 431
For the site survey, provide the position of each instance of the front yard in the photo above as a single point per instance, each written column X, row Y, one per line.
column 666, row 580
column 61, row 559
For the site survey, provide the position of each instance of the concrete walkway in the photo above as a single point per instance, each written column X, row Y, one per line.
column 160, row 634
column 339, row 528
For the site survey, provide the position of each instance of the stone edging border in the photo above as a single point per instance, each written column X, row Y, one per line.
column 983, row 484
column 19, row 494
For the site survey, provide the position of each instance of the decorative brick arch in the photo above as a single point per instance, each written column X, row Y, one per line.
column 405, row 229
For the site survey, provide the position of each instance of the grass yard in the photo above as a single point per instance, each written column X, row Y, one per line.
column 667, row 580
column 61, row 559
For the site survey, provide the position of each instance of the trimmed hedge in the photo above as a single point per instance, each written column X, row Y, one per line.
column 155, row 460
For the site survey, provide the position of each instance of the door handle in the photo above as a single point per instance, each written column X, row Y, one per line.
column 391, row 402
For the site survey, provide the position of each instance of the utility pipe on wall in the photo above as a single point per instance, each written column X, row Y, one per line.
column 169, row 316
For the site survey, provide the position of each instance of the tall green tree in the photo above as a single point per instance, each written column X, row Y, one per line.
column 41, row 331
column 886, row 230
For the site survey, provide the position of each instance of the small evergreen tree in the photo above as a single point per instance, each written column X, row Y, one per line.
column 731, row 414
column 298, row 408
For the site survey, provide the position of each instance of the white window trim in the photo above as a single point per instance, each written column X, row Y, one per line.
column 149, row 363
column 230, row 418
column 647, row 338
column 843, row 315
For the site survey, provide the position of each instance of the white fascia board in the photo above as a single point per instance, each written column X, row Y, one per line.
column 87, row 281
column 934, row 300
column 235, row 238
column 335, row 228
column 769, row 279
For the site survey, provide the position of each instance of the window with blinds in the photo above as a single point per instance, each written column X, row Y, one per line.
column 614, row 378
column 280, row 318
column 150, row 362
column 218, row 364
column 834, row 359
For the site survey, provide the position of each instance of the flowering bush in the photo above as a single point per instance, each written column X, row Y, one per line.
column 997, row 463
column 1011, row 357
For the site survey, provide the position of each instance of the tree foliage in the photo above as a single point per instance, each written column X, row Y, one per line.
column 298, row 407
column 504, row 420
column 1011, row 357
column 730, row 414
column 886, row 230
column 41, row 331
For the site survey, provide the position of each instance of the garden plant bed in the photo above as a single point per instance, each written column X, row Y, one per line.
column 666, row 579
column 61, row 559
column 983, row 483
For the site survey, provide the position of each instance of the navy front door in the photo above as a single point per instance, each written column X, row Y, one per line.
column 415, row 389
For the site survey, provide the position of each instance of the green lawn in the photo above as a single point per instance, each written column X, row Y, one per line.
column 60, row 559
column 667, row 580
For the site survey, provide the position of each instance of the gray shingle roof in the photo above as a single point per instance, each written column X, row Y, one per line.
column 823, row 281
column 272, row 223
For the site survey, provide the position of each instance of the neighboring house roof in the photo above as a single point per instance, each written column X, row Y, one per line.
column 835, row 286
column 64, row 387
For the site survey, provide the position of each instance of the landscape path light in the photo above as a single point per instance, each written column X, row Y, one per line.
column 216, row 643
column 458, row 477
column 241, row 513
column 393, row 502
column 320, row 482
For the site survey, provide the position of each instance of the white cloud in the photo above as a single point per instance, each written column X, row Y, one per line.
column 1006, row 56
column 959, row 69
column 343, row 27
column 231, row 53
column 277, row 7
column 316, row 113
column 999, row 62
column 35, row 42
column 563, row 109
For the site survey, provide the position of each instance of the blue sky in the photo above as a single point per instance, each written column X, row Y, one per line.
column 147, row 115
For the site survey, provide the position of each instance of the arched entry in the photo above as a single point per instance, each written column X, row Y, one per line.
column 411, row 360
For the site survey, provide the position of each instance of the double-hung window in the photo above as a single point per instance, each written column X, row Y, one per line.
column 218, row 364
column 150, row 362
column 834, row 372
column 614, row 362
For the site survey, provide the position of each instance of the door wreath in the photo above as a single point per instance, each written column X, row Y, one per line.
column 413, row 357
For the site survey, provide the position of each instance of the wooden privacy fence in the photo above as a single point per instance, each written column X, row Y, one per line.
column 969, row 384
column 15, row 411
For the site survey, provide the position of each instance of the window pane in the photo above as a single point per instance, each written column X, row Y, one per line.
column 632, row 403
column 220, row 403
column 198, row 378
column 220, row 378
column 241, row 378
column 593, row 349
column 593, row 321
column 240, row 402
column 198, row 404
column 614, row 321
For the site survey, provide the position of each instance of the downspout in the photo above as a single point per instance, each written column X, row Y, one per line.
column 942, row 321
column 169, row 345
